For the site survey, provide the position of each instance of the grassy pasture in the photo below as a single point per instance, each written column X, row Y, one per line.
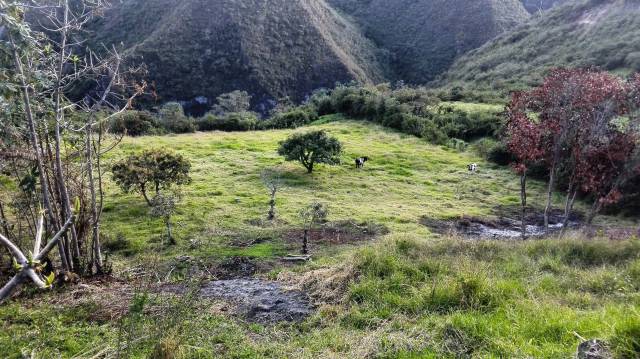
column 412, row 294
column 405, row 179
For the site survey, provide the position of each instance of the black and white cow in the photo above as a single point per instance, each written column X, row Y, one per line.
column 360, row 161
column 473, row 167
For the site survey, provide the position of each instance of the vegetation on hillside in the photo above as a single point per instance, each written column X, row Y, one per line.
column 272, row 50
column 602, row 33
column 424, row 37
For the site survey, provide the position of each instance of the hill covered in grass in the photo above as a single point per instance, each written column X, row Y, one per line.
column 424, row 37
column 271, row 49
column 582, row 33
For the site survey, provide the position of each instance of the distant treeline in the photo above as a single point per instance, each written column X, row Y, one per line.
column 416, row 111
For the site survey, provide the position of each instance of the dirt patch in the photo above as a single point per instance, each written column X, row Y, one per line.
column 260, row 301
column 507, row 225
column 234, row 268
column 340, row 232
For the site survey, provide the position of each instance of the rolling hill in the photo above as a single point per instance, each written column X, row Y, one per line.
column 272, row 49
column 424, row 37
column 601, row 33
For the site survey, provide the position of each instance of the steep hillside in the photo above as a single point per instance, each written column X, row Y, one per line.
column 270, row 48
column 424, row 37
column 602, row 33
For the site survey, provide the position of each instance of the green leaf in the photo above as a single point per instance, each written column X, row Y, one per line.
column 49, row 279
column 16, row 265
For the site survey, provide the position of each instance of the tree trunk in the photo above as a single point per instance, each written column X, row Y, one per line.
column 595, row 208
column 143, row 190
column 95, row 224
column 272, row 206
column 571, row 198
column 523, row 200
column 305, row 241
column 27, row 271
column 552, row 178
column 60, row 176
column 35, row 146
column 172, row 241
column 3, row 219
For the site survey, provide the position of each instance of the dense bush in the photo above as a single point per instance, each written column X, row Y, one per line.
column 410, row 110
column 467, row 125
column 493, row 150
column 171, row 116
column 235, row 121
column 134, row 123
column 292, row 119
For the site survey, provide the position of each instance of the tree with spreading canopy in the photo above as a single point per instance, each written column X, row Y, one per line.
column 157, row 168
column 311, row 148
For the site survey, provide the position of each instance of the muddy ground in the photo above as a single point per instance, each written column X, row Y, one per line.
column 341, row 232
column 505, row 224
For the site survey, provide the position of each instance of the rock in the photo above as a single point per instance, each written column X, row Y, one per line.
column 593, row 349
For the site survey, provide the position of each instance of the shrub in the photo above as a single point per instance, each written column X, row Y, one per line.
column 292, row 119
column 321, row 101
column 133, row 123
column 500, row 154
column 235, row 121
column 311, row 148
column 173, row 119
column 155, row 168
column 231, row 102
column 493, row 150
column 410, row 110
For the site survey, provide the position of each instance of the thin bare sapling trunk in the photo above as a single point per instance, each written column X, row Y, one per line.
column 523, row 200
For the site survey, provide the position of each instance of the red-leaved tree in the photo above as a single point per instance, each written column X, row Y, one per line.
column 524, row 141
column 573, row 123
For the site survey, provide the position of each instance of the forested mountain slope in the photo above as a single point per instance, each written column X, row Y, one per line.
column 602, row 33
column 424, row 37
column 270, row 48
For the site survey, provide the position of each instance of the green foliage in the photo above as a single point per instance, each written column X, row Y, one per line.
column 411, row 110
column 232, row 102
column 519, row 59
column 171, row 116
column 134, row 123
column 234, row 121
column 154, row 167
column 311, row 148
column 292, row 119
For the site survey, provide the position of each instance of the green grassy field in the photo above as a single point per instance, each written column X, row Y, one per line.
column 405, row 179
column 411, row 294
